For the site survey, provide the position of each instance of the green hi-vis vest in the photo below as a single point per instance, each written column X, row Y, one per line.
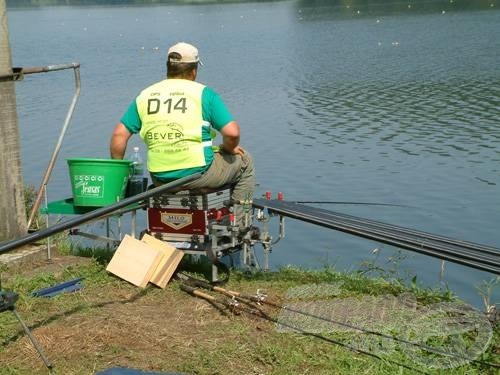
column 172, row 120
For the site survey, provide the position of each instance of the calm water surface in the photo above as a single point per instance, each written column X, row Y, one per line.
column 380, row 103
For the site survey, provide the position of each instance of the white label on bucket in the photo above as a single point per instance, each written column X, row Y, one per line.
column 90, row 186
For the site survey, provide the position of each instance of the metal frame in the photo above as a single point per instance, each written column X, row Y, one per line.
column 18, row 74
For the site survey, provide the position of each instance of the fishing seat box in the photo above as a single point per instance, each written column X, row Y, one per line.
column 185, row 215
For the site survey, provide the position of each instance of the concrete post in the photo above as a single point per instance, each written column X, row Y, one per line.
column 12, row 206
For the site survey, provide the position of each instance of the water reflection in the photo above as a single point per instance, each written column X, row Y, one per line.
column 406, row 86
column 416, row 118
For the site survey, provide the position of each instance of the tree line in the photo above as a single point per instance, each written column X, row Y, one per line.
column 300, row 3
column 25, row 3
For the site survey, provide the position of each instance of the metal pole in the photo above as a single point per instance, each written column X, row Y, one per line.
column 55, row 153
column 133, row 221
column 38, row 348
column 17, row 73
column 47, row 224
column 108, row 232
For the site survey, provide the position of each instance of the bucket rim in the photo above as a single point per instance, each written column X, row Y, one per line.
column 99, row 161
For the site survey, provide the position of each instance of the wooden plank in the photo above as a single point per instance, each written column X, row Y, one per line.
column 134, row 261
column 171, row 258
column 165, row 276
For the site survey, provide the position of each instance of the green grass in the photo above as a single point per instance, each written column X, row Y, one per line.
column 112, row 323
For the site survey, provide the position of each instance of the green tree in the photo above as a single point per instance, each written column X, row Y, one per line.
column 12, row 208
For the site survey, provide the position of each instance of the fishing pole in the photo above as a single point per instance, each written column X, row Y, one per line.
column 489, row 258
column 367, row 222
column 355, row 203
column 418, row 241
column 457, row 255
column 260, row 298
column 417, row 244
column 466, row 244
column 233, row 304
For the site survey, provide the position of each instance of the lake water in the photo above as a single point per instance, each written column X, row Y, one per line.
column 385, row 103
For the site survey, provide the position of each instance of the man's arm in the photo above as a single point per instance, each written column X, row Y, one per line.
column 119, row 139
column 231, row 139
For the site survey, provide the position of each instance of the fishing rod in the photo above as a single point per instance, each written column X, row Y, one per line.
column 416, row 244
column 425, row 235
column 234, row 305
column 422, row 235
column 417, row 241
column 468, row 258
column 490, row 257
column 261, row 314
column 231, row 304
column 261, row 298
column 465, row 244
column 47, row 232
column 354, row 203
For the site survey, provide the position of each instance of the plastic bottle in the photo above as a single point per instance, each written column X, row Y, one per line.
column 135, row 182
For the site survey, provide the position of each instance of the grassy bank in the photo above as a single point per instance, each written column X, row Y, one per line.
column 110, row 323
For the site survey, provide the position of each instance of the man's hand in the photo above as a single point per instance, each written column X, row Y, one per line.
column 235, row 151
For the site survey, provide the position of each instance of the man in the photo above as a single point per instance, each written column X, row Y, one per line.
column 174, row 117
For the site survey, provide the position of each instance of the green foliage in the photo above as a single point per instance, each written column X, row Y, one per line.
column 30, row 194
column 485, row 289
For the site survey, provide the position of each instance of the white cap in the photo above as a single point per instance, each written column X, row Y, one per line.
column 188, row 53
